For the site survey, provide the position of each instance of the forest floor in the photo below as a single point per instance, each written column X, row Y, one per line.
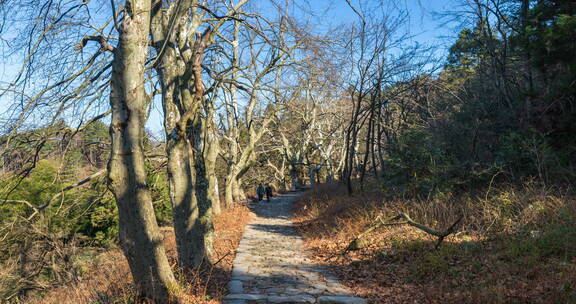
column 107, row 277
column 271, row 266
column 516, row 245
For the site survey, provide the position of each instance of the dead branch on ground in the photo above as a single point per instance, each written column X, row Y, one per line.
column 358, row 242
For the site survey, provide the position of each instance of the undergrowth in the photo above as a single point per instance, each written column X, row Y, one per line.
column 515, row 243
column 107, row 277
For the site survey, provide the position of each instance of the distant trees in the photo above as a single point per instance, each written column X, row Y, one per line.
column 488, row 112
column 420, row 128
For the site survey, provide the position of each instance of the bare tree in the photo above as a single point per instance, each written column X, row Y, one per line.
column 140, row 237
column 270, row 52
column 55, row 80
column 189, row 120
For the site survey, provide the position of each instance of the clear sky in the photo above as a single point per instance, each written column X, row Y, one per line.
column 424, row 26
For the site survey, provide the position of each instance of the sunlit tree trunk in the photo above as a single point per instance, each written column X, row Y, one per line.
column 202, row 233
column 182, row 101
column 212, row 150
column 238, row 192
column 140, row 238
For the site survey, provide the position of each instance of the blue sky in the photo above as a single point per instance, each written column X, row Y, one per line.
column 424, row 25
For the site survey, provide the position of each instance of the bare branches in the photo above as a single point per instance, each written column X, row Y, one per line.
column 104, row 44
column 361, row 16
column 65, row 189
column 115, row 15
column 202, row 41
column 37, row 209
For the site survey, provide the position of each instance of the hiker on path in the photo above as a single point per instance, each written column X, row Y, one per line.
column 269, row 193
column 260, row 191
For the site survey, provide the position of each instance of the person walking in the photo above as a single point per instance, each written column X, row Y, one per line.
column 260, row 191
column 269, row 193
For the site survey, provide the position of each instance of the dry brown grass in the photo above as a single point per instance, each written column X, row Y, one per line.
column 514, row 245
column 109, row 279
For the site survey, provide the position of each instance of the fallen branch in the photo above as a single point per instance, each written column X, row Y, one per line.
column 220, row 259
column 358, row 243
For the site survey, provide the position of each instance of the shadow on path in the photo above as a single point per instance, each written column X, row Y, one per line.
column 271, row 267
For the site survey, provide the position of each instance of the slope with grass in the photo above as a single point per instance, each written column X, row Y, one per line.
column 515, row 244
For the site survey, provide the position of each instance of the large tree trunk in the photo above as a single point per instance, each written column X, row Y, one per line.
column 214, row 191
column 228, row 192
column 140, row 238
column 239, row 194
column 233, row 190
column 212, row 149
column 200, row 237
column 179, row 165
column 230, row 188
column 200, row 225
column 233, row 132
column 182, row 96
column 294, row 179
column 184, row 210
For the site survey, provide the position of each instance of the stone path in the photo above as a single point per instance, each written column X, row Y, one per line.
column 270, row 265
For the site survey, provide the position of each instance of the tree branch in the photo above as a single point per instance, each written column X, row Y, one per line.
column 104, row 44
column 202, row 41
column 65, row 189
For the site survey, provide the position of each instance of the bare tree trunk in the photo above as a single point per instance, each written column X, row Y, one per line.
column 198, row 217
column 228, row 192
column 237, row 191
column 312, row 176
column 140, row 238
column 211, row 154
column 233, row 132
column 213, row 192
column 233, row 190
column 200, row 236
column 294, row 184
column 183, row 96
column 368, row 148
column 351, row 140
column 180, row 179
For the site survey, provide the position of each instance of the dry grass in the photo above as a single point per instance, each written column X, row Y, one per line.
column 515, row 244
column 109, row 279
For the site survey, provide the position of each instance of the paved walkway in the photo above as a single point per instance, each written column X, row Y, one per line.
column 270, row 265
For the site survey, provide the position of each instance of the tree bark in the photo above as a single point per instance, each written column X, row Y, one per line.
column 213, row 192
column 200, row 237
column 183, row 96
column 294, row 180
column 228, row 192
column 237, row 190
column 140, row 238
column 211, row 154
